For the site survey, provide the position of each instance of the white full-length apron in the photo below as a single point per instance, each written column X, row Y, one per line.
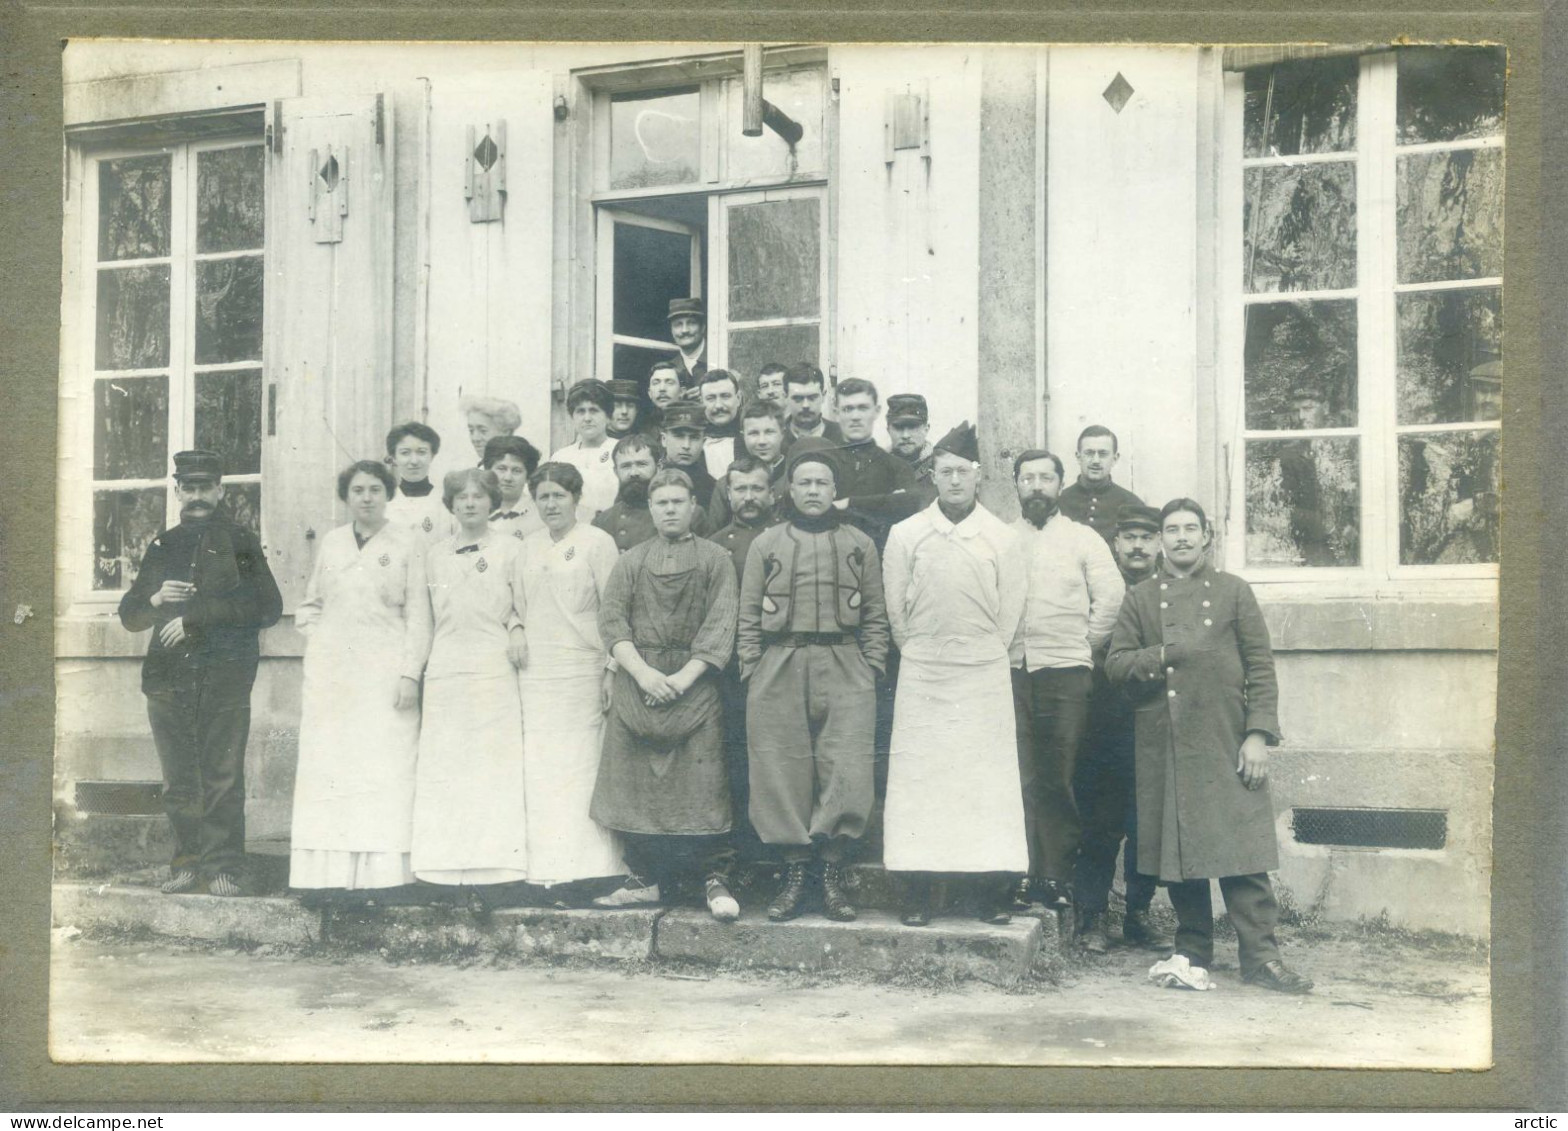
column 470, row 812
column 563, row 727
column 366, row 615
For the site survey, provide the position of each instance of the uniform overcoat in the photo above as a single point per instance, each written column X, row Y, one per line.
column 1194, row 704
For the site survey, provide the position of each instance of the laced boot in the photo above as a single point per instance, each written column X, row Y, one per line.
column 835, row 901
column 786, row 905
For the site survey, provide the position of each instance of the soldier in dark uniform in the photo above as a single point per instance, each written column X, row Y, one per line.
column 688, row 320
column 1095, row 498
column 682, row 439
column 205, row 590
column 636, row 458
column 625, row 409
column 804, row 388
column 1103, row 780
column 908, row 433
column 753, row 497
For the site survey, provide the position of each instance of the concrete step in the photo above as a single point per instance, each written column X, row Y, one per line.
column 876, row 944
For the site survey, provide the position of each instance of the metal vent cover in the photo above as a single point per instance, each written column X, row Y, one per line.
column 1371, row 828
column 119, row 798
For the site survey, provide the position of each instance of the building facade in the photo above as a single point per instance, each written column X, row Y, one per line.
column 1275, row 274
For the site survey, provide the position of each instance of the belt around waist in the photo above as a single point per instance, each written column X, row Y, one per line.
column 801, row 639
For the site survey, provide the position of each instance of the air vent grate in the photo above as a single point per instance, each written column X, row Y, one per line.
column 1372, row 828
column 119, row 798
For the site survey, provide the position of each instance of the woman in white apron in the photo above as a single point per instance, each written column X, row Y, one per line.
column 561, row 574
column 470, row 816
column 366, row 615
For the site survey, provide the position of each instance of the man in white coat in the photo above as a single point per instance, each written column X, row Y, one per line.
column 955, row 587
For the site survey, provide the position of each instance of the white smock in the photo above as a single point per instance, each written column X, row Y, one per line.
column 559, row 586
column 366, row 617
column 954, row 598
column 599, row 483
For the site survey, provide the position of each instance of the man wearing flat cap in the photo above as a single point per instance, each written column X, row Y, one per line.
column 812, row 640
column 206, row 592
column 688, row 320
column 684, row 429
column 1103, row 781
column 625, row 410
column 908, row 432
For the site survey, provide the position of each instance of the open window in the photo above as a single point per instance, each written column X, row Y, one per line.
column 649, row 252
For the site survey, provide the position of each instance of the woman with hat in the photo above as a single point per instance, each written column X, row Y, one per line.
column 366, row 615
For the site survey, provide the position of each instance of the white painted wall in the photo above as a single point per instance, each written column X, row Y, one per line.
column 1122, row 259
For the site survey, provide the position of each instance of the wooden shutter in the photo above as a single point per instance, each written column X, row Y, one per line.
column 328, row 396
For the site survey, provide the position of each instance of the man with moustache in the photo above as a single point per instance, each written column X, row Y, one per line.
column 749, row 488
column 804, row 388
column 688, row 321
column 1095, row 499
column 720, row 408
column 205, row 590
column 1192, row 648
column 682, row 439
column 627, row 520
column 770, row 384
column 761, row 439
column 664, row 389
column 1103, row 781
column 1074, row 594
column 812, row 639
column 908, row 426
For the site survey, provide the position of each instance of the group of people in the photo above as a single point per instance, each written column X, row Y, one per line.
column 718, row 624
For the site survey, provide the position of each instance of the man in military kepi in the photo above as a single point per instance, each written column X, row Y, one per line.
column 205, row 590
column 684, row 428
column 625, row 409
column 688, row 321
column 812, row 640
column 908, row 429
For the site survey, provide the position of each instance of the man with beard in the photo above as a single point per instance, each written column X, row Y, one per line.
column 688, row 320
column 1192, row 648
column 1074, row 594
column 1094, row 499
column 749, row 488
column 1103, row 782
column 803, row 391
column 908, row 425
column 720, row 409
column 812, row 640
column 628, row 521
column 955, row 591
column 626, row 408
column 205, row 589
column 681, row 438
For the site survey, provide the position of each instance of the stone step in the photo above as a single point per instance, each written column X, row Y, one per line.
column 210, row 917
column 440, row 932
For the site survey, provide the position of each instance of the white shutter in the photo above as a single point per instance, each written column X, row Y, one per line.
column 329, row 314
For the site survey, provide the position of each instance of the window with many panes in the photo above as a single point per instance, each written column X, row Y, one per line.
column 174, row 241
column 1365, row 235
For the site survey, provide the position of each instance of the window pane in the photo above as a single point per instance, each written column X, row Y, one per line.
column 243, row 501
column 1450, row 356
column 775, row 260
column 1450, row 215
column 1300, row 364
column 1448, row 498
column 633, row 362
column 798, row 94
column 124, row 522
column 655, row 139
column 652, row 266
column 133, row 207
column 228, row 310
column 131, row 428
column 750, row 350
column 1304, row 502
column 1305, row 106
column 230, row 212
column 1300, row 226
column 228, row 418
column 133, row 318
column 1448, row 93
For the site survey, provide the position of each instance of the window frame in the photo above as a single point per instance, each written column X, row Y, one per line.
column 1375, row 156
column 78, row 482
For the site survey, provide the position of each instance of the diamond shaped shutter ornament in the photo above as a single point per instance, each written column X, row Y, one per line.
column 1118, row 93
column 484, row 181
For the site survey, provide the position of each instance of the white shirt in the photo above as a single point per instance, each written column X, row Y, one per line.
column 1075, row 593
column 598, row 468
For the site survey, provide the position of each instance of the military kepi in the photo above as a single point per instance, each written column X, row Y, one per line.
column 686, row 308
column 684, row 415
column 961, row 441
column 1132, row 517
column 907, row 408
column 623, row 390
column 196, row 465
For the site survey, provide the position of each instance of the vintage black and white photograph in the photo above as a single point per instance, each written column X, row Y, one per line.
column 778, row 553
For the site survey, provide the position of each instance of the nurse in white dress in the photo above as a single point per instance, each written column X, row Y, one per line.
column 366, row 615
column 561, row 574
column 470, row 811
column 590, row 404
column 514, row 460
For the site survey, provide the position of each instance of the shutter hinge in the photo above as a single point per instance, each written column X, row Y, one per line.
column 381, row 120
column 275, row 128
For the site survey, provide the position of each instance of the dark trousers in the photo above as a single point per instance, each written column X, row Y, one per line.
column 668, row 859
column 732, row 697
column 200, row 730
column 1051, row 712
column 1249, row 900
column 1106, row 793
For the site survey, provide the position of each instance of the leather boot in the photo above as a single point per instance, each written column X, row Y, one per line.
column 786, row 905
column 835, row 902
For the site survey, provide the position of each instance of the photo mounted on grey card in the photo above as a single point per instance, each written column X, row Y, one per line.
column 778, row 553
